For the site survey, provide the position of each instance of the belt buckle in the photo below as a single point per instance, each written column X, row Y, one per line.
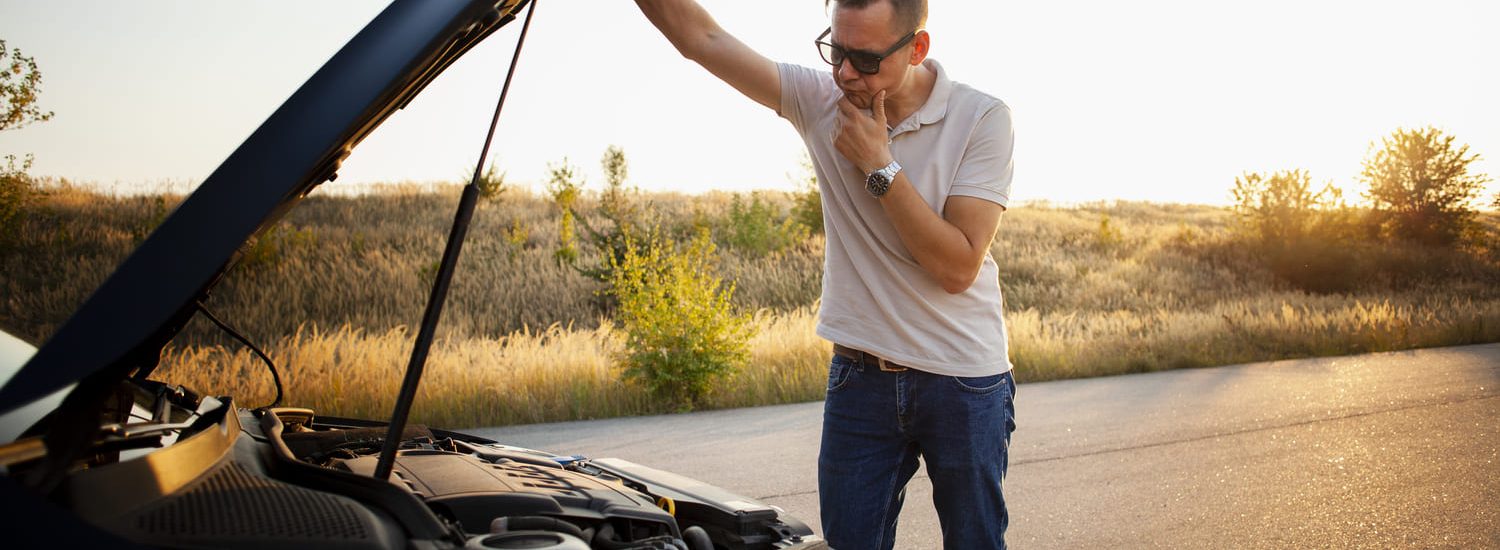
column 887, row 367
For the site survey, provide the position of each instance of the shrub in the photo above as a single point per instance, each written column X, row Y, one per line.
column 516, row 237
column 563, row 187
column 492, row 184
column 619, row 220
column 1420, row 186
column 615, row 201
column 1300, row 235
column 156, row 212
column 1108, row 237
column 681, row 331
column 272, row 246
column 16, row 194
column 1279, row 208
column 758, row 228
column 807, row 206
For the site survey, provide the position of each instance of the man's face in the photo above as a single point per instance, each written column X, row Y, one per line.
column 869, row 30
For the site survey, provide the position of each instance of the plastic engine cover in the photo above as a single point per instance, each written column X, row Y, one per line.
column 474, row 491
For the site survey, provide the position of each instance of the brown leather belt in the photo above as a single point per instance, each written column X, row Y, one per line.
column 867, row 359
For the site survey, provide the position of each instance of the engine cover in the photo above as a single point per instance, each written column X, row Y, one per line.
column 475, row 492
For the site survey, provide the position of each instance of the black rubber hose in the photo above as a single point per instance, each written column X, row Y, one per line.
column 534, row 523
column 605, row 539
column 697, row 538
column 275, row 376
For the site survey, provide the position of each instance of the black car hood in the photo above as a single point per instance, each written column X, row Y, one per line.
column 122, row 327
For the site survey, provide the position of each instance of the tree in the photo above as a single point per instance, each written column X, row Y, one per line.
column 1420, row 185
column 20, row 84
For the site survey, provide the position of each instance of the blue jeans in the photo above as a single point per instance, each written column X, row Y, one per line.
column 875, row 426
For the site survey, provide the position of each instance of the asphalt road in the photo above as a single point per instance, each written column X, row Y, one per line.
column 1374, row 451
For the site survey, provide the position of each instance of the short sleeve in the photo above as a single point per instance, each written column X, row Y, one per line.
column 987, row 166
column 802, row 90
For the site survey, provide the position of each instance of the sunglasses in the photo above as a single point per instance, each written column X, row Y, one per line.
column 864, row 62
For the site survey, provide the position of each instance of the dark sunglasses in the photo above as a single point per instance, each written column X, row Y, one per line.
column 864, row 62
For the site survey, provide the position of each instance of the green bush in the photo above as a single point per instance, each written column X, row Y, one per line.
column 16, row 194
column 681, row 331
column 618, row 219
column 807, row 206
column 1108, row 237
column 757, row 228
column 563, row 186
column 492, row 184
column 1303, row 237
column 272, row 246
column 1280, row 208
column 156, row 212
column 516, row 236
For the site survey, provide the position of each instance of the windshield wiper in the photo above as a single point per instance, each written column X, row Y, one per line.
column 444, row 277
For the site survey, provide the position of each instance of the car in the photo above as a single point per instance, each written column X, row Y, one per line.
column 96, row 452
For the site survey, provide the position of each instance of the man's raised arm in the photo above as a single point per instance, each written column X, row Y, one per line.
column 698, row 37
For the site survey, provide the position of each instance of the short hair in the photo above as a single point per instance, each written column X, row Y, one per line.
column 910, row 15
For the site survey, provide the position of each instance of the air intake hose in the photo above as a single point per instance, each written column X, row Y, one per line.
column 534, row 523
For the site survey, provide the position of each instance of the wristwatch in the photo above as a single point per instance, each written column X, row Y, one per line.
column 879, row 181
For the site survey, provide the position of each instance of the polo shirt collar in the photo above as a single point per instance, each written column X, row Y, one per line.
column 936, row 105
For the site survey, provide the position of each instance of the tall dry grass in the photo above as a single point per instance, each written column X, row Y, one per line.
column 526, row 377
column 568, row 374
column 332, row 293
column 364, row 261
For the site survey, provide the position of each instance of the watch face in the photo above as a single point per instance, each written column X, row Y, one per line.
column 877, row 184
column 879, row 181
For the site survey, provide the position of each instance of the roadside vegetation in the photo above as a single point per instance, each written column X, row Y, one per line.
column 561, row 295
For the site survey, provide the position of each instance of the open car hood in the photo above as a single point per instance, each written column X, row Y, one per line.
column 300, row 146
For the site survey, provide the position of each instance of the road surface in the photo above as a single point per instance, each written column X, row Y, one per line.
column 1375, row 451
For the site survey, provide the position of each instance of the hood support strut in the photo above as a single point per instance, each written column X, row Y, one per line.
column 444, row 277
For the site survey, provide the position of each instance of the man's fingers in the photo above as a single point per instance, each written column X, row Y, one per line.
column 845, row 106
column 879, row 110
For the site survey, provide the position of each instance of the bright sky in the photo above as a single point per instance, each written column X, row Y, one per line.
column 1163, row 100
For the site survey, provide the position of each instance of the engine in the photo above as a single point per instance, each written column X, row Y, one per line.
column 509, row 497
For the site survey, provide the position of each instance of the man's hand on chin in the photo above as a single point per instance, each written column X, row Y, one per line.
column 862, row 137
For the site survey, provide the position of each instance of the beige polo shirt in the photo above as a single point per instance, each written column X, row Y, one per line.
column 875, row 296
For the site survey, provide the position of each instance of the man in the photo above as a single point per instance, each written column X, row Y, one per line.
column 915, row 171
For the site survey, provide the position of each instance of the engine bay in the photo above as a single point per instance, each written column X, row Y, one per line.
column 199, row 472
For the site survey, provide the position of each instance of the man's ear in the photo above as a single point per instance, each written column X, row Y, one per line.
column 920, row 44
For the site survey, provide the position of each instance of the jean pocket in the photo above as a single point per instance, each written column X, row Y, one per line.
column 838, row 372
column 980, row 384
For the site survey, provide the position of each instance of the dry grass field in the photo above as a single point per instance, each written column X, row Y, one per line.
column 334, row 291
